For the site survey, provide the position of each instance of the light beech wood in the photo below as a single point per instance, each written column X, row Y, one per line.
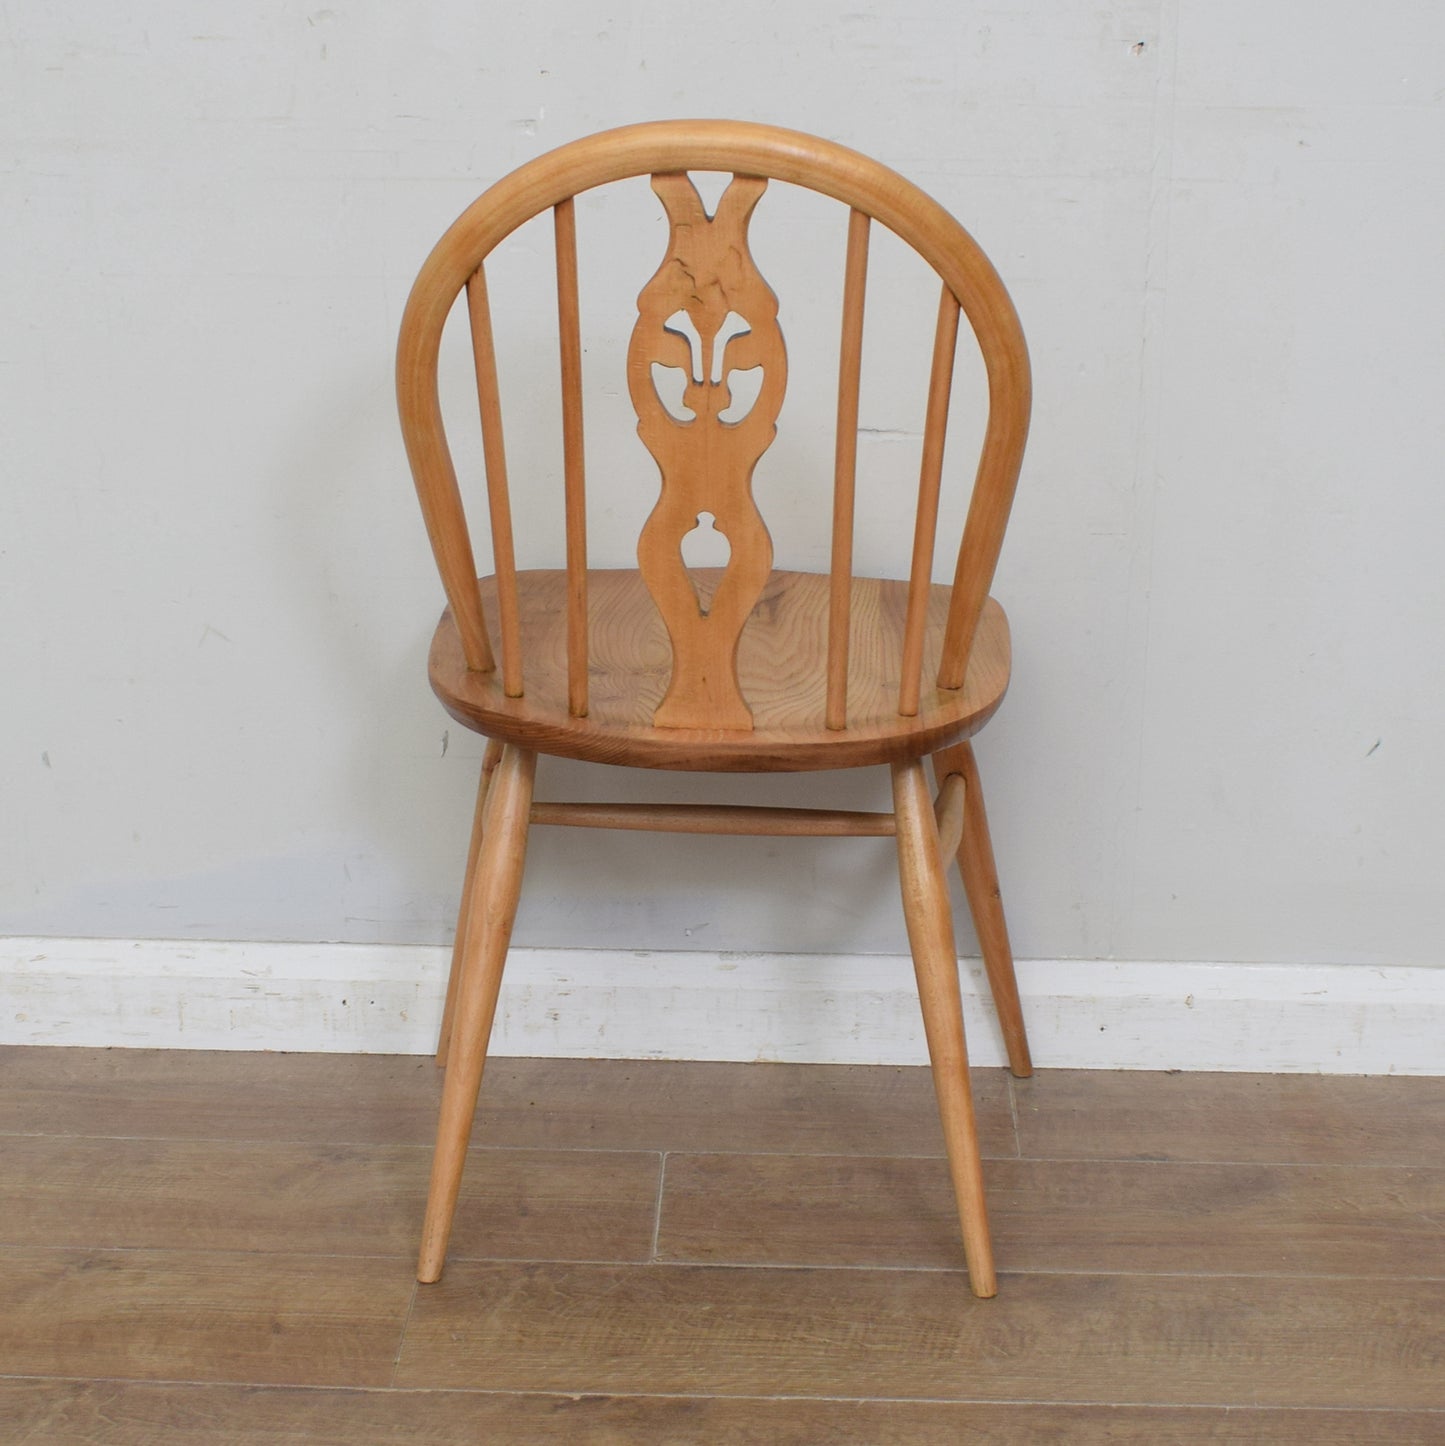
column 499, row 502
column 974, row 853
column 490, row 758
column 782, row 664
column 718, row 819
column 569, row 325
column 493, row 906
column 667, row 147
column 845, row 468
column 741, row 668
column 930, row 481
column 706, row 463
column 948, row 815
column 935, row 960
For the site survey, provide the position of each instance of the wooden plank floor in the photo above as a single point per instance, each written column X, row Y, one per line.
column 217, row 1248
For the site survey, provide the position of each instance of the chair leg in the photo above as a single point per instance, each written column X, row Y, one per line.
column 980, row 884
column 459, row 944
column 929, row 918
column 492, row 906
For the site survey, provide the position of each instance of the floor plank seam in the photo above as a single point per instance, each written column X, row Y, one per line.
column 680, row 1263
column 270, row 1252
column 475, row 1148
column 1046, row 1402
column 425, row 1147
column 1019, row 1272
column 657, row 1207
column 1431, row 1165
column 401, row 1335
column 1232, row 1162
column 1004, row 1271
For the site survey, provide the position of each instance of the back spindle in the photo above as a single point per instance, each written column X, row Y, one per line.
column 484, row 356
column 570, row 336
column 930, row 477
column 845, row 470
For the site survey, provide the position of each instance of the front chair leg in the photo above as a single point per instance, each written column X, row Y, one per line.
column 929, row 918
column 490, row 759
column 980, row 884
column 492, row 906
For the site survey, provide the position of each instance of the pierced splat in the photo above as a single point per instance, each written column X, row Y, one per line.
column 705, row 547
column 707, row 321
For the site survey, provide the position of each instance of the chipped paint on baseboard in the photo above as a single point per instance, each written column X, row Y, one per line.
column 849, row 1009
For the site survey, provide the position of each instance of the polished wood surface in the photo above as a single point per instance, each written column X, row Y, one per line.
column 736, row 668
column 948, row 816
column 748, row 150
column 306, row 1197
column 929, row 920
column 492, row 906
column 499, row 500
column 961, row 792
column 845, row 469
column 782, row 662
column 1325, row 1120
column 491, row 756
column 1079, row 1336
column 707, row 278
column 720, row 818
column 930, row 486
column 212, row 1315
column 135, row 1413
column 1071, row 1215
column 529, row 1103
column 201, row 1247
column 574, row 466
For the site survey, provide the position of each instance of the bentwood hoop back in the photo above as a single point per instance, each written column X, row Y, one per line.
column 743, row 668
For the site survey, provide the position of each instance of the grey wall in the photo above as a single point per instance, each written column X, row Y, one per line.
column 1223, row 227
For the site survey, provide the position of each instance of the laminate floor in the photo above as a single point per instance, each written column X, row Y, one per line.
column 218, row 1248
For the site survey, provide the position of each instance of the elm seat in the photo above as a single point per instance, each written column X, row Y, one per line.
column 782, row 663
column 739, row 669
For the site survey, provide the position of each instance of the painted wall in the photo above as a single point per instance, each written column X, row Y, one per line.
column 1224, row 226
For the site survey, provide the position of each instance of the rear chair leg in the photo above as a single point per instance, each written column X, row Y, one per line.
column 929, row 918
column 492, row 906
column 980, row 883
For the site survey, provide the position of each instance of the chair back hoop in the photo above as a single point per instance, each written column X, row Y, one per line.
column 708, row 312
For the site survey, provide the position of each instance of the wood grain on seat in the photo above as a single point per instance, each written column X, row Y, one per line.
column 782, row 662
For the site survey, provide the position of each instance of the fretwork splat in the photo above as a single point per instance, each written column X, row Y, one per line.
column 708, row 314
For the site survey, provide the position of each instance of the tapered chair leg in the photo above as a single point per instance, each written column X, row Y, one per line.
column 490, row 759
column 980, row 884
column 929, row 918
column 492, row 906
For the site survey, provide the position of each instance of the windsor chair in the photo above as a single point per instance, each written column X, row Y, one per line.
column 739, row 669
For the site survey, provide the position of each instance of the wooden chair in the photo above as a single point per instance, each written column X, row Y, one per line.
column 740, row 669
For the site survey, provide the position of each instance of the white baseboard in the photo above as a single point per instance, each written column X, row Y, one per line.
column 366, row 998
